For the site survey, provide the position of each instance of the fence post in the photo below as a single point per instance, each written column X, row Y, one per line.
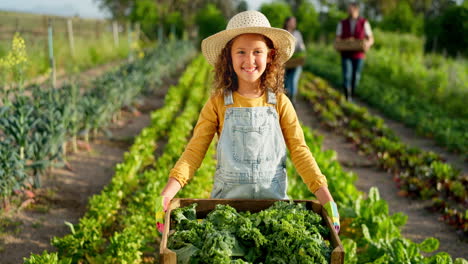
column 115, row 29
column 51, row 54
column 70, row 37
column 45, row 25
column 17, row 24
column 97, row 29
column 129, row 34
column 173, row 32
column 137, row 31
column 160, row 33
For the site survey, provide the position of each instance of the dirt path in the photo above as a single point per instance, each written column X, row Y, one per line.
column 65, row 194
column 421, row 223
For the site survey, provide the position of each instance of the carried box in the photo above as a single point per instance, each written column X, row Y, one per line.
column 294, row 62
column 205, row 206
column 350, row 44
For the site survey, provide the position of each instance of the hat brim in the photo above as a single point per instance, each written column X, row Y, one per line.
column 283, row 41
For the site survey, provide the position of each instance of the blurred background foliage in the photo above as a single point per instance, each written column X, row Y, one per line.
column 441, row 24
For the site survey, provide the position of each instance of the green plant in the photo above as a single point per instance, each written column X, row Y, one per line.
column 283, row 232
column 87, row 238
column 46, row 258
column 423, row 97
column 417, row 173
column 402, row 19
column 210, row 20
column 276, row 12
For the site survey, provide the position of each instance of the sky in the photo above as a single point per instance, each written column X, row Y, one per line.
column 255, row 4
column 83, row 8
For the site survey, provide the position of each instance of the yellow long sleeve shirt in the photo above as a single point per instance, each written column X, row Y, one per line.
column 211, row 121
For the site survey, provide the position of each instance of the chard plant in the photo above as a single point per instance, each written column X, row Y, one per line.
column 11, row 170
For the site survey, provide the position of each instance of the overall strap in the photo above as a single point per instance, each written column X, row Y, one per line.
column 271, row 97
column 228, row 100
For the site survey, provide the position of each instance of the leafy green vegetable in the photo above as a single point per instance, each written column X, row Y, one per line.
column 283, row 233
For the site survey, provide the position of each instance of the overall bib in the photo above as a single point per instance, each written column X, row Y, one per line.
column 251, row 154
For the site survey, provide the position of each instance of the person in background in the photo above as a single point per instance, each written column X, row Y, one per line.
column 292, row 74
column 352, row 61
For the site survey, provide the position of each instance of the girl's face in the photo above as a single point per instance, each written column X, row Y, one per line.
column 249, row 55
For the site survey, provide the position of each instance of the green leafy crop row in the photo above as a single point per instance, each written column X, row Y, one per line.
column 417, row 173
column 368, row 232
column 89, row 238
column 37, row 123
column 134, row 236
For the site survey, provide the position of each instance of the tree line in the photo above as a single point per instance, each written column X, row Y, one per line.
column 443, row 23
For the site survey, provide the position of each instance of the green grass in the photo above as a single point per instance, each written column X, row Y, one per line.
column 94, row 43
column 9, row 226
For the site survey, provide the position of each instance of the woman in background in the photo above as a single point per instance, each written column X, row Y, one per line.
column 292, row 74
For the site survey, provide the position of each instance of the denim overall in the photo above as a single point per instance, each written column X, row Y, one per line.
column 251, row 153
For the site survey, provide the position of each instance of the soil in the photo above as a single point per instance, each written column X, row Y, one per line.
column 64, row 197
column 421, row 223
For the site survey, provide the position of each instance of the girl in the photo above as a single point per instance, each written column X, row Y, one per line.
column 253, row 118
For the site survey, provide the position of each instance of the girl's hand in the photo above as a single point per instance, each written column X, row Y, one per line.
column 169, row 191
column 165, row 202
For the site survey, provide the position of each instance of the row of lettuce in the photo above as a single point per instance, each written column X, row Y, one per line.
column 418, row 174
column 119, row 226
column 369, row 233
column 426, row 92
column 38, row 124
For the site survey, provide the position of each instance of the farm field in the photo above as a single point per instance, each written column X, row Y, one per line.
column 122, row 228
column 84, row 160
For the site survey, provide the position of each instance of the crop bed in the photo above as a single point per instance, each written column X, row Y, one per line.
column 417, row 173
column 119, row 226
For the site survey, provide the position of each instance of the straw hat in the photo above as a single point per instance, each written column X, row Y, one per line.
column 249, row 22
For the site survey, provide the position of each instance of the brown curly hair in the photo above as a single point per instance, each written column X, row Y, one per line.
column 225, row 78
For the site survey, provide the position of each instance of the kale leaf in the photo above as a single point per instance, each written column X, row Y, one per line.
column 284, row 233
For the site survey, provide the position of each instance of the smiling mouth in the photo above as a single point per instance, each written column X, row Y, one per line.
column 249, row 70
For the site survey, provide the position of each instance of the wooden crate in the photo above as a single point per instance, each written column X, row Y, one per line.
column 350, row 44
column 294, row 62
column 205, row 206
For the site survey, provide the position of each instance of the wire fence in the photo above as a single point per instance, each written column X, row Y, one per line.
column 30, row 25
column 65, row 42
